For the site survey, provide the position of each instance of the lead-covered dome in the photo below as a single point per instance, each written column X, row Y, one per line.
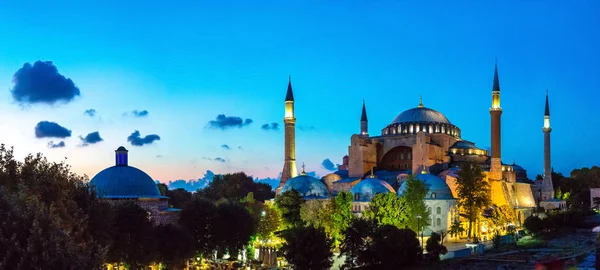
column 369, row 187
column 306, row 186
column 124, row 182
column 438, row 189
column 421, row 115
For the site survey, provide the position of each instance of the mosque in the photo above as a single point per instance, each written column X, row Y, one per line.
column 127, row 183
column 423, row 142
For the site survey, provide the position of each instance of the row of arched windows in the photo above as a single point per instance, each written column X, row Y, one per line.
column 414, row 128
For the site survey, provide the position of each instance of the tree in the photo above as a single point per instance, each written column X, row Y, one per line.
column 392, row 248
column 197, row 217
column 434, row 248
column 43, row 212
column 163, row 189
column 133, row 241
column 289, row 204
column 533, row 224
column 233, row 228
column 414, row 196
column 178, row 197
column 473, row 192
column 234, row 187
column 355, row 242
column 318, row 214
column 341, row 214
column 456, row 228
column 502, row 216
column 307, row 248
column 173, row 246
column 387, row 209
column 269, row 223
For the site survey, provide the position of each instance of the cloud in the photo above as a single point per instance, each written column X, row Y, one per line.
column 217, row 159
column 41, row 83
column 51, row 144
column 136, row 140
column 272, row 126
column 46, row 129
column 273, row 182
column 193, row 184
column 90, row 112
column 91, row 138
column 240, row 147
column 224, row 122
column 226, row 147
column 137, row 113
column 328, row 165
column 306, row 128
column 159, row 156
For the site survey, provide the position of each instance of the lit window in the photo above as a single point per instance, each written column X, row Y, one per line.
column 433, row 196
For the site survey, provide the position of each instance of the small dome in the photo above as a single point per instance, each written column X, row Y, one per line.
column 306, row 186
column 517, row 168
column 464, row 145
column 369, row 187
column 438, row 189
column 421, row 115
column 124, row 182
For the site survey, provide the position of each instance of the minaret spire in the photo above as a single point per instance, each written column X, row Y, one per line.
column 547, row 110
column 289, row 165
column 364, row 122
column 496, row 86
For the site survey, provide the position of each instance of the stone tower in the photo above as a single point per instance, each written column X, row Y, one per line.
column 547, row 188
column 495, row 176
column 289, row 165
column 364, row 122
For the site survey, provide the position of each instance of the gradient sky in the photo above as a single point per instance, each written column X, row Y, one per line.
column 186, row 62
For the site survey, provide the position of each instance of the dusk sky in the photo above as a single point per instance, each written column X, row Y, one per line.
column 180, row 64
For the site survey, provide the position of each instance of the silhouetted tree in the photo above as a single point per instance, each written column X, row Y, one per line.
column 178, row 197
column 233, row 228
column 234, row 187
column 173, row 246
column 163, row 188
column 307, row 248
column 533, row 224
column 434, row 247
column 393, row 248
column 289, row 204
column 473, row 192
column 133, row 241
column 198, row 218
column 355, row 242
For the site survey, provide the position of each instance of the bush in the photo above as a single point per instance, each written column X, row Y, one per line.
column 533, row 225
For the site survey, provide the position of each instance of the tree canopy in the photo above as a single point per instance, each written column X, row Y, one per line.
column 414, row 195
column 289, row 204
column 387, row 209
column 234, row 187
column 307, row 248
column 473, row 192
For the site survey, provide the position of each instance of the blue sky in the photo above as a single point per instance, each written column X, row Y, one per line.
column 185, row 62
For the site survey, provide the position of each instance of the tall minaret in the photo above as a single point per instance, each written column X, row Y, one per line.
column 289, row 165
column 495, row 113
column 364, row 122
column 547, row 188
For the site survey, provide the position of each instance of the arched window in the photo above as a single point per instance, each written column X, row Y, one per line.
column 356, row 197
column 433, row 196
column 438, row 222
column 438, row 210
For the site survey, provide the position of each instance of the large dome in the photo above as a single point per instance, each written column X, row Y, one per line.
column 123, row 181
column 306, row 186
column 438, row 189
column 421, row 115
column 369, row 187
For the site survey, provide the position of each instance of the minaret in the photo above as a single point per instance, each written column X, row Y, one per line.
column 289, row 165
column 495, row 113
column 547, row 188
column 364, row 122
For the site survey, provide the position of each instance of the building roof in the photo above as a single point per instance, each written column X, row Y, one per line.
column 421, row 115
column 306, row 186
column 464, row 145
column 369, row 187
column 342, row 173
column 436, row 185
column 124, row 182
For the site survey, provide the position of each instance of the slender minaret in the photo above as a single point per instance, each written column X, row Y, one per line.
column 497, row 187
column 496, row 113
column 364, row 122
column 289, row 165
column 547, row 188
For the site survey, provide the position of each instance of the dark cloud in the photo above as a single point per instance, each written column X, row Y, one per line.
column 136, row 140
column 90, row 112
column 51, row 144
column 193, row 184
column 91, row 138
column 46, row 129
column 328, row 165
column 226, row 147
column 240, row 147
column 137, row 113
column 272, row 126
column 41, row 83
column 217, row 159
column 306, row 128
column 224, row 122
column 159, row 156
